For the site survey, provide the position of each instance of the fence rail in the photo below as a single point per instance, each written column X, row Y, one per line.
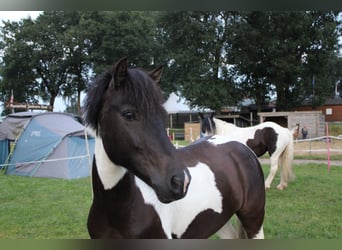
column 323, row 145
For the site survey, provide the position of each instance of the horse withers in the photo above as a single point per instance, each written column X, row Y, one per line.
column 268, row 137
column 143, row 187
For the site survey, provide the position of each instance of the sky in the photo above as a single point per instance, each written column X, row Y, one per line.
column 17, row 15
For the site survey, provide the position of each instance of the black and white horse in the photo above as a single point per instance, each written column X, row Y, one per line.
column 264, row 137
column 143, row 187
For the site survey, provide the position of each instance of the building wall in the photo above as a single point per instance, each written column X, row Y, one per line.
column 313, row 120
column 332, row 113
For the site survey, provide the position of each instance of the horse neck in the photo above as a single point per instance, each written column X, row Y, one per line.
column 223, row 127
column 110, row 174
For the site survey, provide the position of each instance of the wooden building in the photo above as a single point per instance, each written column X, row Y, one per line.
column 331, row 109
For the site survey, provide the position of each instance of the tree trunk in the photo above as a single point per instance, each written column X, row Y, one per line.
column 52, row 101
column 79, row 111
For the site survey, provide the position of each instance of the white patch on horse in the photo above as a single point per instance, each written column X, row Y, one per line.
column 232, row 132
column 202, row 195
column 109, row 173
column 260, row 234
column 217, row 139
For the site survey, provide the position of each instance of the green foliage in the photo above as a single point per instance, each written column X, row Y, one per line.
column 281, row 52
column 197, row 44
column 16, row 64
column 60, row 51
column 128, row 34
column 213, row 58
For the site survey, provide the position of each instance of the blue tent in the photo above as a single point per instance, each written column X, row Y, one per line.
column 49, row 144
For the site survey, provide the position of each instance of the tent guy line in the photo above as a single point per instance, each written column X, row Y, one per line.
column 50, row 160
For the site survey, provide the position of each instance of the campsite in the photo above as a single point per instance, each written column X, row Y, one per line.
column 57, row 208
column 135, row 87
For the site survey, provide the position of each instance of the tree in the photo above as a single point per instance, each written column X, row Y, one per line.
column 125, row 34
column 16, row 66
column 82, row 38
column 282, row 52
column 50, row 57
column 197, row 44
column 39, row 45
column 337, row 77
column 63, row 50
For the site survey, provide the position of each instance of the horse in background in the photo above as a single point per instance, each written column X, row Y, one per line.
column 143, row 187
column 265, row 137
column 295, row 131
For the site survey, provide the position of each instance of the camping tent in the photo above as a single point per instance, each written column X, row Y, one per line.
column 47, row 144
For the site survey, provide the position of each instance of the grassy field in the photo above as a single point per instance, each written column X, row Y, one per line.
column 335, row 129
column 42, row 208
column 310, row 208
column 34, row 208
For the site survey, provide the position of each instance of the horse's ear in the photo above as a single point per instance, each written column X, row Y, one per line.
column 200, row 114
column 212, row 115
column 119, row 72
column 156, row 73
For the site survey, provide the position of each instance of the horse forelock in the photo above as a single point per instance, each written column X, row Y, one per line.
column 208, row 125
column 93, row 100
column 139, row 90
column 143, row 93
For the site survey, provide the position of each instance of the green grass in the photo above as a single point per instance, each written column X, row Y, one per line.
column 43, row 208
column 333, row 157
column 37, row 208
column 317, row 157
column 310, row 208
column 335, row 129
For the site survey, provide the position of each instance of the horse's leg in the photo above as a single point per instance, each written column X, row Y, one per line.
column 282, row 184
column 273, row 171
column 260, row 234
column 250, row 225
column 285, row 161
column 227, row 232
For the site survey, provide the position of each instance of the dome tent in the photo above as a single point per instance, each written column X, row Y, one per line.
column 49, row 144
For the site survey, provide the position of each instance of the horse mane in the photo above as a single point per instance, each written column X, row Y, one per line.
column 138, row 88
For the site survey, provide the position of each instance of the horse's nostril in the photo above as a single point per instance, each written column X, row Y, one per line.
column 176, row 184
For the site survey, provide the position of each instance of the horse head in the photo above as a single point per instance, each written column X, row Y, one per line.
column 124, row 108
column 208, row 126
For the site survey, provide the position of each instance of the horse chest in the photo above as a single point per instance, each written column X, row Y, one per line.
column 203, row 195
column 121, row 212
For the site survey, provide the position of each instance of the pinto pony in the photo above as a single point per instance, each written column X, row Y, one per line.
column 265, row 137
column 143, row 187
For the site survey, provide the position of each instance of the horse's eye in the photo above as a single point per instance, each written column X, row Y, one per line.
column 128, row 115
